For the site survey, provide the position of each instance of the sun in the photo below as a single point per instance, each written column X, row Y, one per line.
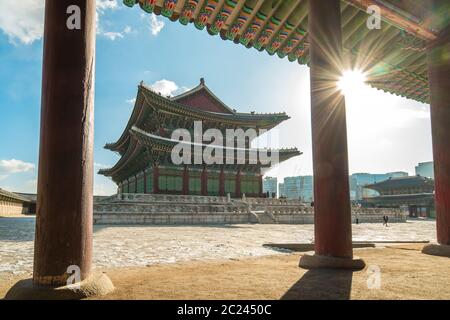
column 352, row 81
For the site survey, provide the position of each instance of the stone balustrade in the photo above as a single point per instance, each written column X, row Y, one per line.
column 180, row 209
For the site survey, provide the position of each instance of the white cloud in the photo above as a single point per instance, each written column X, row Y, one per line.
column 101, row 165
column 104, row 189
column 127, row 29
column 131, row 101
column 104, row 186
column 106, row 4
column 112, row 35
column 165, row 87
column 8, row 167
column 23, row 21
column 30, row 186
column 182, row 90
column 156, row 24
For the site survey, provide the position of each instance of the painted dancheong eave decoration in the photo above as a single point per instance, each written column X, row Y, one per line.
column 152, row 111
column 146, row 146
column 393, row 57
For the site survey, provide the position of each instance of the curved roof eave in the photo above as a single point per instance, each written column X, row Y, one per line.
column 145, row 93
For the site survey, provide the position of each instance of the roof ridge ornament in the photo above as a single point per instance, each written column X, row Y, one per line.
column 202, row 81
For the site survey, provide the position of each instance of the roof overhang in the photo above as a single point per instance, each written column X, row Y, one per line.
column 394, row 57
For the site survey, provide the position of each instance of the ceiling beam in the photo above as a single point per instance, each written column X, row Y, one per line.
column 390, row 16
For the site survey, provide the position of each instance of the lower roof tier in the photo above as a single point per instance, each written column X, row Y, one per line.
column 146, row 149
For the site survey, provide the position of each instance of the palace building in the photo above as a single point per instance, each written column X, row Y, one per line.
column 416, row 193
column 146, row 146
column 13, row 203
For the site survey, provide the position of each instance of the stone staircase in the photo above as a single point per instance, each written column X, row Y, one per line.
column 263, row 217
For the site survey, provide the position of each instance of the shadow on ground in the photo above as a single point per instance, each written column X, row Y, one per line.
column 322, row 284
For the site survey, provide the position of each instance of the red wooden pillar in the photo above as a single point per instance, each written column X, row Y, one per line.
column 261, row 186
column 439, row 77
column 222, row 182
column 332, row 218
column 155, row 178
column 238, row 184
column 145, row 181
column 185, row 181
column 65, row 182
column 204, row 181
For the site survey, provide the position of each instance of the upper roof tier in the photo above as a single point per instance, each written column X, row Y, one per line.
column 393, row 57
column 151, row 110
column 13, row 196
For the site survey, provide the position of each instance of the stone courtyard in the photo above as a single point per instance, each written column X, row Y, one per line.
column 134, row 246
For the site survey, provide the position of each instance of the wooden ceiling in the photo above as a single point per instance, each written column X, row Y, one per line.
column 393, row 57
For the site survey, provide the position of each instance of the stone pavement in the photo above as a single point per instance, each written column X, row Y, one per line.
column 123, row 246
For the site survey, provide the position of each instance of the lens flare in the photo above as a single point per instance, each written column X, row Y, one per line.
column 352, row 81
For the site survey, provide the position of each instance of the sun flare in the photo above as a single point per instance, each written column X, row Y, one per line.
column 352, row 81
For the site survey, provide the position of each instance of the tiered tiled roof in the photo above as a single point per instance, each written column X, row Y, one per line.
column 196, row 104
column 402, row 183
column 13, row 196
column 147, row 136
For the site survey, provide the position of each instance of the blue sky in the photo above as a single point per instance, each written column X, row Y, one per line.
column 386, row 133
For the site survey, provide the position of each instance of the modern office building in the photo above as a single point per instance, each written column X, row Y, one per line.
column 425, row 169
column 270, row 186
column 300, row 187
column 292, row 187
column 281, row 191
column 307, row 188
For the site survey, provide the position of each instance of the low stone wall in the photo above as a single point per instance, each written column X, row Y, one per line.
column 170, row 210
column 171, row 218
column 365, row 216
column 12, row 209
column 188, row 210
column 161, row 198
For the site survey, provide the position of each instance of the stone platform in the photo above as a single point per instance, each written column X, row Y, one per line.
column 204, row 210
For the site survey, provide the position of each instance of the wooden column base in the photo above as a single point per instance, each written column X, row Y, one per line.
column 440, row 250
column 95, row 285
column 314, row 261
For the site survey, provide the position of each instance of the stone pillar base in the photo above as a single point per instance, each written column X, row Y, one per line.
column 314, row 261
column 95, row 285
column 440, row 250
